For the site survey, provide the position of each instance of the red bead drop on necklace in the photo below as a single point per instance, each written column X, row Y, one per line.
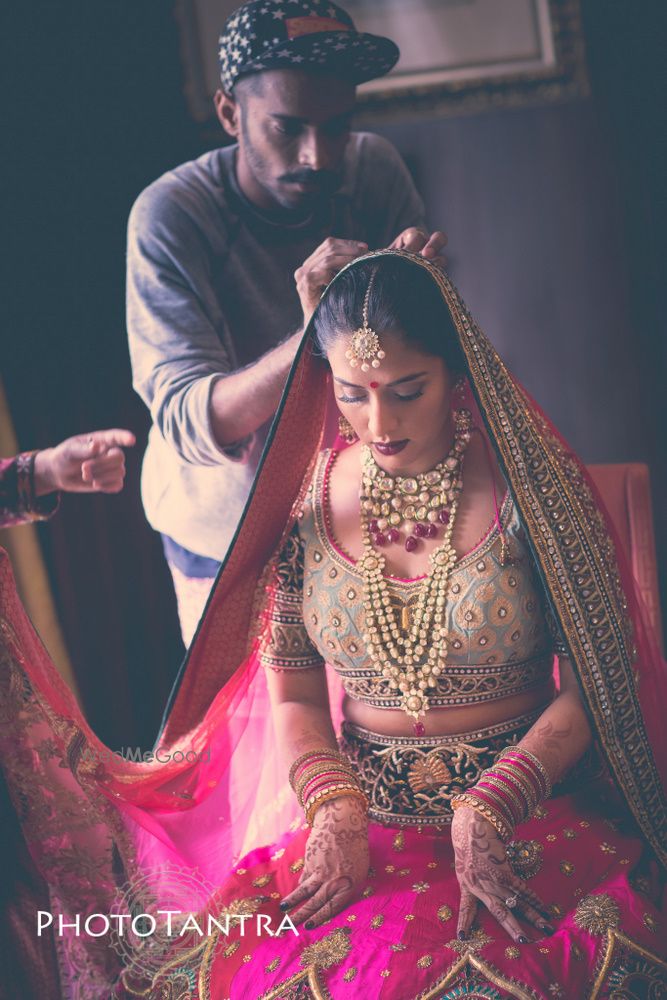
column 431, row 531
column 393, row 535
column 379, row 539
column 411, row 544
column 443, row 516
column 373, row 524
column 419, row 530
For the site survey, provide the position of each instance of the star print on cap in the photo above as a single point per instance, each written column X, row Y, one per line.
column 300, row 34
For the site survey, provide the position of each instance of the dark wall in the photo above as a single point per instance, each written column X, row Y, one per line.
column 556, row 230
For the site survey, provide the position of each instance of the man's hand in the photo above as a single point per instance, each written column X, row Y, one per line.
column 418, row 241
column 321, row 267
column 86, row 463
column 336, row 863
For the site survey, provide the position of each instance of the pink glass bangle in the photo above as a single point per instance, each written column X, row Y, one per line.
column 535, row 765
column 495, row 787
column 498, row 800
column 527, row 795
column 535, row 779
column 323, row 781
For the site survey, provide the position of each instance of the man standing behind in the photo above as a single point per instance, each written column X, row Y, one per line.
column 228, row 256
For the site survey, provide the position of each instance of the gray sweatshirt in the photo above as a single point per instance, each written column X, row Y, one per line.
column 210, row 288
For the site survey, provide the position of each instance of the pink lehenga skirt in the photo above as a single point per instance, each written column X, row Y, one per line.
column 398, row 941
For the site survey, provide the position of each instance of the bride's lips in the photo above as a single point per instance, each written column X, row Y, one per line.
column 391, row 447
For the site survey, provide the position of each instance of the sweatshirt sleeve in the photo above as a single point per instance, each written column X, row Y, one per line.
column 176, row 329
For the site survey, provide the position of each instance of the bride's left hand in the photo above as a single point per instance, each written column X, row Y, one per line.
column 485, row 875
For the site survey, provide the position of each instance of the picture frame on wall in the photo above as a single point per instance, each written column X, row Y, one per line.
column 457, row 56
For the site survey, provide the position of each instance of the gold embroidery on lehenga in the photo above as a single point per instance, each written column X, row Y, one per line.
column 329, row 950
column 477, row 940
column 470, row 976
column 597, row 913
column 624, row 960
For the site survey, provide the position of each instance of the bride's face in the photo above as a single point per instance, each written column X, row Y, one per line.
column 402, row 409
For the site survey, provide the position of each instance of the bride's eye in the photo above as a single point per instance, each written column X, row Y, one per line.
column 413, row 395
column 351, row 399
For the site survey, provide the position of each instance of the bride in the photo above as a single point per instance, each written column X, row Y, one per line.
column 463, row 819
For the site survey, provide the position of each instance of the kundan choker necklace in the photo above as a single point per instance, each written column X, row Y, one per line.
column 424, row 501
column 410, row 659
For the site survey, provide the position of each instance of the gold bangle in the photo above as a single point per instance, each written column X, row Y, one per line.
column 338, row 775
column 332, row 754
column 319, row 768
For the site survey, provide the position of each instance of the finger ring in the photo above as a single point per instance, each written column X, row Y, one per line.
column 511, row 902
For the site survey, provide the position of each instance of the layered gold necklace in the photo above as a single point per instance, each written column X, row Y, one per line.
column 411, row 663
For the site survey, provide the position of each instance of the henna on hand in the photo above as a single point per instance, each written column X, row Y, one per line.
column 336, row 862
column 484, row 874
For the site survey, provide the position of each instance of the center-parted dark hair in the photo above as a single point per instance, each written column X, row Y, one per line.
column 404, row 299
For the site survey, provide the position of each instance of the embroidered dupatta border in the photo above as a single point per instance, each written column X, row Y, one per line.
column 577, row 559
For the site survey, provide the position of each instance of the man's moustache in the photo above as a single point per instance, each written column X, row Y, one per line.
column 325, row 180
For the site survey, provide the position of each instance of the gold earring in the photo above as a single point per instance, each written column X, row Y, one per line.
column 346, row 430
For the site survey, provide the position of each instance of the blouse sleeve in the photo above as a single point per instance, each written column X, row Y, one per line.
column 285, row 644
column 18, row 502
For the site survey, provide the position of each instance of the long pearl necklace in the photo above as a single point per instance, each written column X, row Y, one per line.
column 400, row 658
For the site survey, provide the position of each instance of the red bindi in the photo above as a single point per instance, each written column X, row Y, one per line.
column 375, row 385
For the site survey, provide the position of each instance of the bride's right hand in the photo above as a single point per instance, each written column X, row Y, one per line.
column 336, row 863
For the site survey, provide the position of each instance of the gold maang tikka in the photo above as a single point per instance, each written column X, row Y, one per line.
column 364, row 349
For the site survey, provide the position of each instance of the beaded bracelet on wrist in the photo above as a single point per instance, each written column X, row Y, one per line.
column 503, row 830
column 333, row 793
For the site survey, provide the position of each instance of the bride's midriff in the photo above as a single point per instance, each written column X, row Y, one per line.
column 446, row 721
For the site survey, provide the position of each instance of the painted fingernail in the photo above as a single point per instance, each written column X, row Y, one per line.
column 309, row 925
column 462, row 935
column 522, row 939
column 283, row 906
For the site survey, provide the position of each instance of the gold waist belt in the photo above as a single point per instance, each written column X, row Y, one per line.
column 410, row 780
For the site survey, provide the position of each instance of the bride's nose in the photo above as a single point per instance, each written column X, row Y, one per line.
column 381, row 420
